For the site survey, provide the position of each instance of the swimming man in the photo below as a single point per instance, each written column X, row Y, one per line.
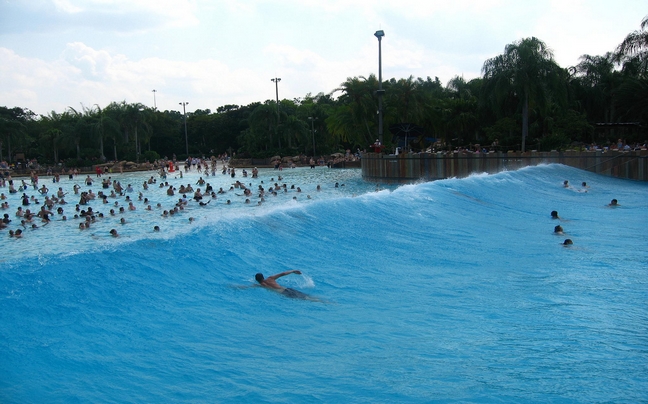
column 271, row 283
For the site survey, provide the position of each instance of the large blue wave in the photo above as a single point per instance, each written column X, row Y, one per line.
column 454, row 289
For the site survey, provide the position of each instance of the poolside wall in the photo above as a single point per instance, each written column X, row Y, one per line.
column 435, row 166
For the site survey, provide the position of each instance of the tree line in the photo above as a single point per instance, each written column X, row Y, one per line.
column 523, row 100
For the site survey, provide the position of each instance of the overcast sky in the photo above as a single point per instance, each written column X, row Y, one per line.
column 60, row 53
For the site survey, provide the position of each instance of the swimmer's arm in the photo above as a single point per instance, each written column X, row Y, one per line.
column 277, row 276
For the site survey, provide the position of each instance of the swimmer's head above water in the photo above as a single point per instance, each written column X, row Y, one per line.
column 259, row 277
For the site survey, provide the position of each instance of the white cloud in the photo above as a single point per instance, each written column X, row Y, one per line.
column 88, row 76
column 61, row 52
column 66, row 6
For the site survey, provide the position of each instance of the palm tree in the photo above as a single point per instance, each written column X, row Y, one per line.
column 115, row 112
column 263, row 121
column 51, row 136
column 51, row 139
column 633, row 51
column 405, row 101
column 9, row 129
column 525, row 72
column 632, row 99
column 98, row 126
column 295, row 130
column 596, row 80
column 12, row 127
column 354, row 119
column 77, row 127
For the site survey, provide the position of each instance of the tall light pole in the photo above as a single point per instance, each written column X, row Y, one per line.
column 154, row 102
column 101, row 137
column 276, row 80
column 184, row 110
column 380, row 92
column 310, row 118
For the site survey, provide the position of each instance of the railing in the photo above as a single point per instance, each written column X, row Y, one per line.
column 434, row 166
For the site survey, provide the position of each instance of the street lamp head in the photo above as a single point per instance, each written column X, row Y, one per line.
column 276, row 80
column 379, row 34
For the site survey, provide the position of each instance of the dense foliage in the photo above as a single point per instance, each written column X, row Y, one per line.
column 523, row 100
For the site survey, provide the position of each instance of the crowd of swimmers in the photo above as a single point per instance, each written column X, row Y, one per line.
column 39, row 205
column 558, row 229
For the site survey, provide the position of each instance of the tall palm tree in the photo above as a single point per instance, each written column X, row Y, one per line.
column 633, row 51
column 405, row 101
column 263, row 121
column 597, row 80
column 115, row 113
column 295, row 130
column 632, row 99
column 51, row 136
column 76, row 128
column 525, row 72
column 354, row 119
column 12, row 127
column 9, row 129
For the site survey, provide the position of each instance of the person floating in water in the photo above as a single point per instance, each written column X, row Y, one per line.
column 614, row 202
column 271, row 283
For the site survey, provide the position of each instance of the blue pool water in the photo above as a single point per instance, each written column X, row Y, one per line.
column 454, row 290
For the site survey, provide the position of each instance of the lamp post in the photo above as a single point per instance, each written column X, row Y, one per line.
column 101, row 137
column 380, row 92
column 310, row 118
column 276, row 80
column 154, row 103
column 184, row 110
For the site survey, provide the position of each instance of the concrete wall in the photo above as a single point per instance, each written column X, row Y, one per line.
column 425, row 166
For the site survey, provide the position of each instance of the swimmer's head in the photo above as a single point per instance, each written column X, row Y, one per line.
column 568, row 242
column 554, row 214
column 558, row 229
column 156, row 228
column 614, row 202
column 259, row 277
